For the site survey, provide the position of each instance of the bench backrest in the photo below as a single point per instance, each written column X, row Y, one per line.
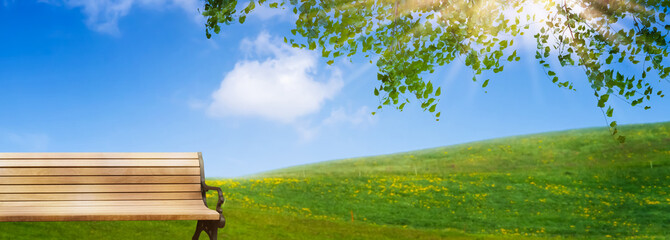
column 100, row 176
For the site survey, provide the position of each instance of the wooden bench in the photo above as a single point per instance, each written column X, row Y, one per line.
column 107, row 187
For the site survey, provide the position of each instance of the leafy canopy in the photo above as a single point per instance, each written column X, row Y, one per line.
column 619, row 44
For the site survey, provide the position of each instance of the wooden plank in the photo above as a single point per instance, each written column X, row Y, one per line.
column 98, row 171
column 95, row 159
column 98, row 196
column 101, row 213
column 118, row 216
column 55, row 180
column 101, row 209
column 110, row 217
column 16, row 204
column 98, row 155
column 100, row 188
column 100, row 163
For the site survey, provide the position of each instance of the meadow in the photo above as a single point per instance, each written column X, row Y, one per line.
column 577, row 184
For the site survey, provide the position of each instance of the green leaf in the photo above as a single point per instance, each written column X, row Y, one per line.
column 432, row 108
column 325, row 53
column 438, row 92
column 613, row 124
column 486, row 83
column 330, row 62
column 503, row 44
column 242, row 18
column 429, row 88
column 603, row 99
column 250, row 7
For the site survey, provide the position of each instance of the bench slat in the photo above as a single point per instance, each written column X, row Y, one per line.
column 100, row 163
column 98, row 196
column 45, row 210
column 104, row 213
column 205, row 215
column 98, row 155
column 100, row 188
column 98, row 171
column 99, row 209
column 15, row 204
column 98, row 179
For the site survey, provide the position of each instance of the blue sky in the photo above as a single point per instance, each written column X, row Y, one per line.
column 140, row 75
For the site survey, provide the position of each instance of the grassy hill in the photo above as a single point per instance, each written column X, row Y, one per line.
column 572, row 150
column 577, row 184
column 574, row 184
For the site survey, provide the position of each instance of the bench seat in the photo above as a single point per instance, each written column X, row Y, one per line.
column 107, row 187
column 105, row 211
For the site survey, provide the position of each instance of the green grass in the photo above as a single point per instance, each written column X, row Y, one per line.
column 577, row 184
column 243, row 223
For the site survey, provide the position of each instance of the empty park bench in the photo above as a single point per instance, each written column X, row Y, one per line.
column 107, row 187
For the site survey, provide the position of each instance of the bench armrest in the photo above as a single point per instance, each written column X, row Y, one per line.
column 220, row 201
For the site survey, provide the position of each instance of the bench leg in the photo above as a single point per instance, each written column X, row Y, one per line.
column 210, row 227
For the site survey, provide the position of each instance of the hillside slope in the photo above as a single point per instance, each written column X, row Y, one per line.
column 569, row 184
column 590, row 149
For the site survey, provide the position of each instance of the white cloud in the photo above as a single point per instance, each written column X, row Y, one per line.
column 282, row 87
column 103, row 15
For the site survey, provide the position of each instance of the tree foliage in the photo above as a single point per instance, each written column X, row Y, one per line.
column 620, row 45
